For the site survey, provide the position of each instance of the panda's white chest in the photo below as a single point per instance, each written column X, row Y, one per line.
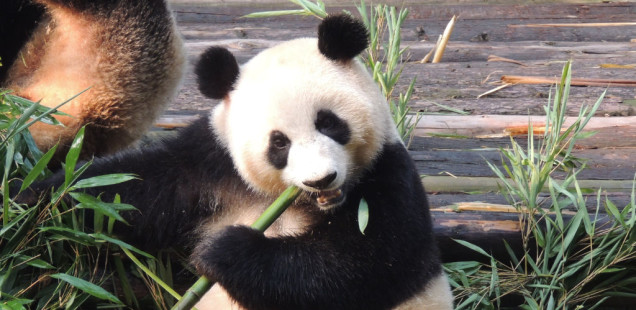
column 291, row 222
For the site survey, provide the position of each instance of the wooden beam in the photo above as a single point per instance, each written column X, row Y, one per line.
column 576, row 25
column 473, row 184
column 490, row 126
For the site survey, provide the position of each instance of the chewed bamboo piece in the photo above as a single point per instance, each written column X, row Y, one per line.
column 439, row 52
column 440, row 46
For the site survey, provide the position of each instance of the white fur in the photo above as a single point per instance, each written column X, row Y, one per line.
column 435, row 296
column 282, row 89
column 325, row 155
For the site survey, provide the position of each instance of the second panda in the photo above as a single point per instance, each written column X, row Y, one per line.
column 304, row 113
column 125, row 59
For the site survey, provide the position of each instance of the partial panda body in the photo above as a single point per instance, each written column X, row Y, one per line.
column 304, row 113
column 127, row 55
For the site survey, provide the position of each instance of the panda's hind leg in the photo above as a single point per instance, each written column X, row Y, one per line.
column 435, row 296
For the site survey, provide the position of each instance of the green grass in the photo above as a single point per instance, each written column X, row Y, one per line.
column 574, row 260
column 52, row 254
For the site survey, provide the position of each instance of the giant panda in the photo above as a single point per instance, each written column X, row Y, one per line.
column 127, row 55
column 304, row 113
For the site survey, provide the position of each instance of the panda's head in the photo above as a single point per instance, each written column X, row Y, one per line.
column 304, row 112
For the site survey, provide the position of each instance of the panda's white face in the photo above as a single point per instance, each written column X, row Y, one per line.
column 295, row 117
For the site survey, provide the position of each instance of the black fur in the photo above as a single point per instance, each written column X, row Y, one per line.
column 189, row 178
column 178, row 180
column 216, row 72
column 278, row 149
column 18, row 19
column 333, row 265
column 341, row 37
column 332, row 126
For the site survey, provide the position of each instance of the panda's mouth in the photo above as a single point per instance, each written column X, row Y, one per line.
column 330, row 198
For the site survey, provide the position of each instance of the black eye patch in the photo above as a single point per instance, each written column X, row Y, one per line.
column 278, row 149
column 330, row 125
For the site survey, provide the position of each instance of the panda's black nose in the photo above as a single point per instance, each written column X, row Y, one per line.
column 322, row 183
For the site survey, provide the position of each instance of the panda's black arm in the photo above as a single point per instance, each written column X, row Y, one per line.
column 172, row 193
column 334, row 266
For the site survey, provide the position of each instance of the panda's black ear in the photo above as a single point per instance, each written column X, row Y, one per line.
column 216, row 72
column 342, row 37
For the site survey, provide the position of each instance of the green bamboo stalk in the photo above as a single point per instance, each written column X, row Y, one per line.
column 199, row 288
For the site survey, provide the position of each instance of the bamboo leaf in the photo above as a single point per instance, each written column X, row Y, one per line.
column 70, row 234
column 572, row 229
column 473, row 247
column 86, row 287
column 16, row 220
column 275, row 13
column 103, row 180
column 38, row 168
column 363, row 215
column 72, row 156
column 34, row 262
column 120, row 243
column 108, row 209
column 611, row 208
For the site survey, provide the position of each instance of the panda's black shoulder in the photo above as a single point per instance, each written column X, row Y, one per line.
column 191, row 148
column 196, row 143
column 18, row 20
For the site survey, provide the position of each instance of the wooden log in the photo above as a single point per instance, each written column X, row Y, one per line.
column 487, row 227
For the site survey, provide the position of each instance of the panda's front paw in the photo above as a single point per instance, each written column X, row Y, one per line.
column 227, row 252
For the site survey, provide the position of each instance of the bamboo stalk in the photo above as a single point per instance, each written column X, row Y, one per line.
column 521, row 79
column 203, row 284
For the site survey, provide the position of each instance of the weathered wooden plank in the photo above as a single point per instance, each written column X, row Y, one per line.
column 464, row 74
column 500, row 125
column 468, row 184
column 447, row 200
column 459, row 84
column 608, row 156
column 476, row 22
